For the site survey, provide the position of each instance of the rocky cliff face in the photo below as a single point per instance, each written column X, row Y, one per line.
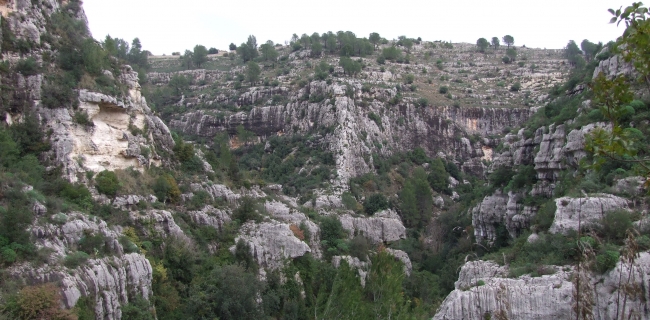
column 355, row 136
column 110, row 279
column 119, row 132
column 484, row 288
column 108, row 141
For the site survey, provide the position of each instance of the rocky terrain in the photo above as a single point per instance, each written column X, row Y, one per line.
column 324, row 193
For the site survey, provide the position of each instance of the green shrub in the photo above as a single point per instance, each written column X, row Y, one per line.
column 75, row 259
column 443, row 90
column 409, row 78
column 28, row 67
column 107, row 183
column 81, row 117
column 615, row 224
column 515, row 87
column 374, row 117
column 246, row 211
column 606, row 261
column 374, row 203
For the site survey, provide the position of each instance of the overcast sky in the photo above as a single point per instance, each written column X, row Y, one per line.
column 164, row 26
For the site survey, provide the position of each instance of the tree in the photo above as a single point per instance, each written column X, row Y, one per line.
column 232, row 47
column 350, row 67
column 408, row 44
column 509, row 40
column 573, row 53
column 384, row 286
column 438, row 177
column 511, row 53
column 200, row 55
column 253, row 72
column 179, row 83
column 107, row 183
column 374, row 203
column 482, row 44
column 322, row 70
column 247, row 52
column 252, row 42
column 374, row 38
column 187, row 59
column 213, row 50
column 314, row 38
column 590, row 49
column 268, row 51
column 226, row 293
column 305, row 40
column 316, row 49
column 495, row 43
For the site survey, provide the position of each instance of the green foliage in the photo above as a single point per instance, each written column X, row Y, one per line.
column 374, row 117
column 615, row 225
column 107, row 183
column 166, row 189
column 283, row 165
column 28, row 67
column 606, row 260
column 350, row 67
column 253, row 72
column 501, row 176
column 333, row 236
column 57, row 91
column 443, row 90
column 374, row 203
column 416, row 200
column 226, row 293
column 391, row 53
column 438, row 177
column 199, row 55
column 137, row 309
column 246, row 211
column 81, row 117
column 482, row 44
column 509, row 40
column 76, row 259
column 179, row 84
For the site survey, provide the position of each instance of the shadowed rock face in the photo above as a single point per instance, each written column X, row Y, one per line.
column 401, row 128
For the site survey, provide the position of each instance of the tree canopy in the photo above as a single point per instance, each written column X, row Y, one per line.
column 200, row 55
column 482, row 44
column 509, row 40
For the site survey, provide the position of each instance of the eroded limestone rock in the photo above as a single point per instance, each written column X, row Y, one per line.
column 383, row 226
column 586, row 211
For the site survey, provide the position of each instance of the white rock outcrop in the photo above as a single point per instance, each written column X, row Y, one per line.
column 271, row 243
column 483, row 288
column 383, row 226
column 571, row 212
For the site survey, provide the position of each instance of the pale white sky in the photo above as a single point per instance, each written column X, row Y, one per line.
column 165, row 26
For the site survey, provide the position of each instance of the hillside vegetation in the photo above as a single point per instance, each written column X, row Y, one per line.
column 336, row 177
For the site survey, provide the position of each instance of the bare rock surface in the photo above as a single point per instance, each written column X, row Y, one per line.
column 271, row 243
column 587, row 211
column 483, row 288
column 210, row 216
column 383, row 226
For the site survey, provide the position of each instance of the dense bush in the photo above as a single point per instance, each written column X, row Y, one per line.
column 28, row 67
column 374, row 203
column 107, row 183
